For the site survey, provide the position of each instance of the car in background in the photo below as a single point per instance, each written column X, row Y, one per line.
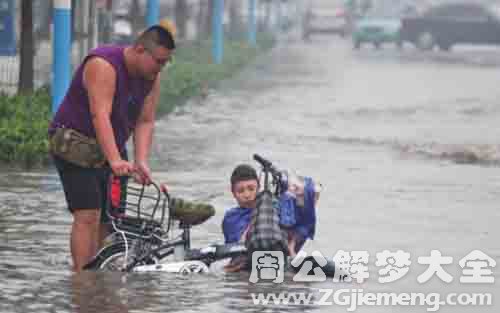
column 330, row 20
column 381, row 25
column 377, row 28
column 448, row 24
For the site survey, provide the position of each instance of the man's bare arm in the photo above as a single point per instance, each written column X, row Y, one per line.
column 99, row 78
column 143, row 134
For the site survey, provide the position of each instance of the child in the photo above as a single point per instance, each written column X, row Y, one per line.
column 245, row 186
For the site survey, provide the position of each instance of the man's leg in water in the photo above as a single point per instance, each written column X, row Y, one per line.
column 84, row 236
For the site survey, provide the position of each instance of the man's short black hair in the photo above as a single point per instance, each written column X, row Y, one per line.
column 155, row 36
column 243, row 172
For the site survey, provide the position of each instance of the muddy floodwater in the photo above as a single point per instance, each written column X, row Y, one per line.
column 405, row 143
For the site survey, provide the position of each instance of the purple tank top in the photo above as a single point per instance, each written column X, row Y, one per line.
column 130, row 92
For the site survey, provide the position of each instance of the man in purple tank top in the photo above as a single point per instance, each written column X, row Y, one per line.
column 113, row 95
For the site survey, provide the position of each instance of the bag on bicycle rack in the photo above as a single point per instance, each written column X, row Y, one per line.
column 265, row 233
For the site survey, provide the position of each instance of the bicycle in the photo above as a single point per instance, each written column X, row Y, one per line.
column 142, row 235
column 142, row 224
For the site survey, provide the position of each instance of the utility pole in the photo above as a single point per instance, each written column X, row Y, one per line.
column 62, row 51
column 252, row 25
column 93, row 38
column 152, row 12
column 218, row 31
column 181, row 16
column 25, row 84
column 83, row 28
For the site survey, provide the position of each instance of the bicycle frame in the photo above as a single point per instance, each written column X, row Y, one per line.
column 158, row 253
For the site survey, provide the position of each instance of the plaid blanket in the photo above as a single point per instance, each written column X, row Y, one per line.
column 265, row 233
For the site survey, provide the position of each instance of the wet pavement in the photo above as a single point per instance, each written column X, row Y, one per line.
column 404, row 142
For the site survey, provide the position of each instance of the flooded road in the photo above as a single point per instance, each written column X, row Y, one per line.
column 405, row 144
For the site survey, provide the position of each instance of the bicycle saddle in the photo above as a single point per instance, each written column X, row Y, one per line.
column 190, row 213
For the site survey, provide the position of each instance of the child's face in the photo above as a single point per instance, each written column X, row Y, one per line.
column 245, row 192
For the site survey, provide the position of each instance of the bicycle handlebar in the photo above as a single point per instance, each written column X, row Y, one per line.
column 266, row 164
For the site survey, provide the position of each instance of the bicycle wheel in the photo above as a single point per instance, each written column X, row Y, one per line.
column 116, row 258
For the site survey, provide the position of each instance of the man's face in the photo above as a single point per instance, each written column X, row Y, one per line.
column 245, row 192
column 152, row 61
